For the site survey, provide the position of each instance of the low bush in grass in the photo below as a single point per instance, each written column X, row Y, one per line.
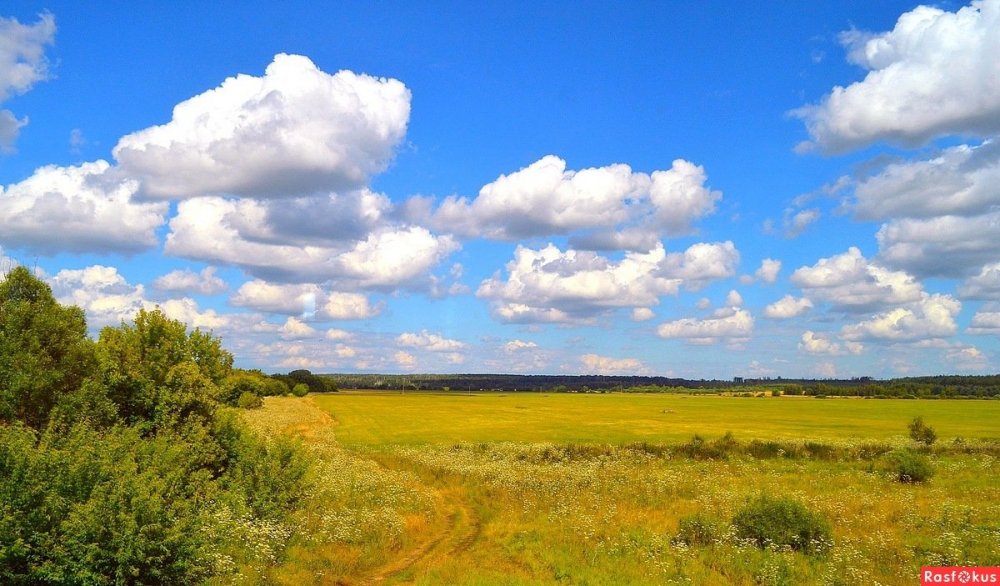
column 700, row 449
column 300, row 390
column 782, row 522
column 909, row 466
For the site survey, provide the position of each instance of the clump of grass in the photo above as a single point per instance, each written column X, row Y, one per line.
column 782, row 522
column 699, row 529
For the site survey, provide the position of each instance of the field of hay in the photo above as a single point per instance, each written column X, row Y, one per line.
column 616, row 489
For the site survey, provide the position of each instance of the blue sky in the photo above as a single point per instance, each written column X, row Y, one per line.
column 701, row 190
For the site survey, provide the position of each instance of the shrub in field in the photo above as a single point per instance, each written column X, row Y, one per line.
column 763, row 450
column 780, row 522
column 249, row 401
column 909, row 466
column 300, row 390
column 699, row 449
column 699, row 529
column 921, row 432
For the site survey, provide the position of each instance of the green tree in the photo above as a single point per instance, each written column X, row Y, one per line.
column 45, row 352
column 155, row 371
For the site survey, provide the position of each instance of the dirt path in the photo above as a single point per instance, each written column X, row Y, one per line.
column 458, row 534
column 461, row 526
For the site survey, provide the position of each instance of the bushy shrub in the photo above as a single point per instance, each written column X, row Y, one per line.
column 699, row 529
column 249, row 401
column 909, row 466
column 780, row 522
column 921, row 432
column 300, row 390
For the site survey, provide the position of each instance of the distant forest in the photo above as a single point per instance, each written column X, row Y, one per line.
column 928, row 387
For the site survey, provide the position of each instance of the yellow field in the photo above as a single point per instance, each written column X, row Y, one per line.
column 504, row 489
column 375, row 419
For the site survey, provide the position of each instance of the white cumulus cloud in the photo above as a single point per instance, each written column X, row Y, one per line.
column 730, row 325
column 22, row 65
column 518, row 345
column 931, row 317
column 814, row 343
column 556, row 286
column 83, row 208
column 985, row 322
column 985, row 285
column 294, row 131
column 308, row 300
column 428, row 341
column 594, row 364
column 616, row 207
column 216, row 230
column 188, row 281
column 851, row 282
column 935, row 74
column 768, row 271
column 788, row 307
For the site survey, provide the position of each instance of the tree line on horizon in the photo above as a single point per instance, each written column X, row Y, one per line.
column 928, row 387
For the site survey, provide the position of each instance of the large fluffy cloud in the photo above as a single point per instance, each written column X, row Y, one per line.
column 22, row 64
column 620, row 208
column 850, row 282
column 549, row 285
column 222, row 231
column 294, row 131
column 86, row 208
column 936, row 73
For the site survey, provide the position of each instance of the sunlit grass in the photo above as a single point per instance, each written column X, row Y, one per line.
column 381, row 418
column 536, row 489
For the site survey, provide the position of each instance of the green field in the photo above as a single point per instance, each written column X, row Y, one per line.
column 373, row 419
column 518, row 489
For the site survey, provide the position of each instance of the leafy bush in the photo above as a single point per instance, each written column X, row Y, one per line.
column 782, row 521
column 116, row 464
column 909, row 466
column 921, row 432
column 249, row 401
column 300, row 390
column 699, row 529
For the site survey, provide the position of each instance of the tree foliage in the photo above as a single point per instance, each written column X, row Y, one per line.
column 118, row 464
column 44, row 348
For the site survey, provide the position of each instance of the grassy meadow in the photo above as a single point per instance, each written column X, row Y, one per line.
column 612, row 489
column 376, row 419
